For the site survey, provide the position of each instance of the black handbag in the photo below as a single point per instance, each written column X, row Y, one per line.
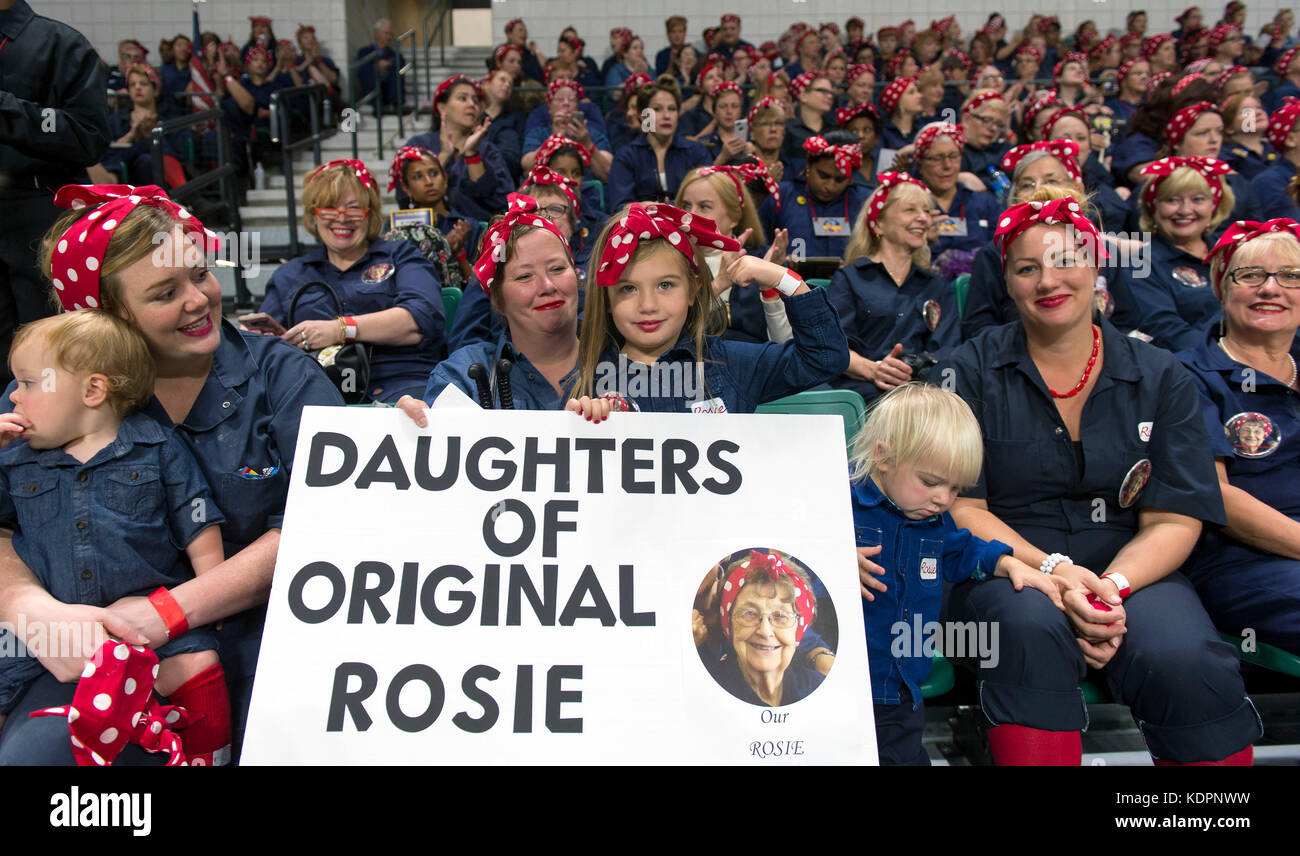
column 347, row 365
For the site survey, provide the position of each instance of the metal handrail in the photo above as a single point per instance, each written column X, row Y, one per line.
column 439, row 8
column 357, row 103
column 226, row 173
column 402, row 88
column 318, row 95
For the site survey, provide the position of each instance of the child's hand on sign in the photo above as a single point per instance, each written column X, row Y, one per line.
column 868, row 568
column 414, row 408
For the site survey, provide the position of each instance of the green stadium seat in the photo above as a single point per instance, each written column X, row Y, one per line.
column 941, row 678
column 450, row 300
column 844, row 403
column 818, row 283
column 960, row 288
column 600, row 189
column 1266, row 656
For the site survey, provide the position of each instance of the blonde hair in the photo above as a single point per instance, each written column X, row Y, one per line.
column 1185, row 179
column 919, row 425
column 324, row 190
column 133, row 239
column 703, row 318
column 97, row 342
column 762, row 87
column 739, row 205
column 862, row 243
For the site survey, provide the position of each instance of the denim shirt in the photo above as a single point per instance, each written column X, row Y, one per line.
column 875, row 313
column 739, row 375
column 914, row 585
column 530, row 390
column 391, row 273
column 799, row 208
column 113, row 526
column 634, row 175
column 1270, row 185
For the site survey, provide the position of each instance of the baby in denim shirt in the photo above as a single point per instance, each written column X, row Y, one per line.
column 919, row 447
column 107, row 503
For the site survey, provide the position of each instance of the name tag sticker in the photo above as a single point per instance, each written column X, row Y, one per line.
column 929, row 568
column 713, row 405
column 953, row 227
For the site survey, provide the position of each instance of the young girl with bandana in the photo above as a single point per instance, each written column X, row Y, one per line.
column 917, row 451
column 647, row 336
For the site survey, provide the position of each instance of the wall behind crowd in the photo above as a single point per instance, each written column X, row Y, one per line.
column 106, row 22
column 767, row 19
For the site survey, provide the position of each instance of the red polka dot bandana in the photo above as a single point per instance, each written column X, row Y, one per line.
column 1228, row 74
column 1076, row 111
column 941, row 26
column 564, row 83
column 777, row 571
column 114, row 705
column 1179, row 124
column 633, row 83
column 1240, row 233
column 1101, row 47
column 1198, row 66
column 1126, row 68
column 357, row 167
column 964, row 59
column 847, row 157
column 745, row 50
column 1129, row 38
column 651, row 222
column 1151, row 45
column 1153, row 83
column 731, row 19
column 764, row 103
column 405, row 155
column 1211, row 169
column 704, row 69
column 830, row 25
column 521, row 210
column 728, row 86
column 148, row 71
column 747, row 172
column 1065, row 151
column 573, row 42
column 810, row 34
column 1220, row 34
column 1018, row 218
column 1045, row 23
column 510, row 25
column 934, row 131
column 802, row 82
column 844, row 115
column 446, row 85
column 893, row 92
column 259, row 19
column 895, row 63
column 1186, row 81
column 1082, row 59
column 1047, row 100
column 1283, row 63
column 769, row 50
column 499, row 55
column 542, row 174
column 887, row 182
column 855, row 71
column 80, row 250
column 1030, row 50
column 1282, row 122
column 625, row 39
column 256, row 50
column 554, row 143
column 982, row 99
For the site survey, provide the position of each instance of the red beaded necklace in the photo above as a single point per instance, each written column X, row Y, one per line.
column 1087, row 372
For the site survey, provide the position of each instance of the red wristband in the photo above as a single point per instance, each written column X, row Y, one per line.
column 349, row 329
column 769, row 293
column 170, row 612
column 472, row 159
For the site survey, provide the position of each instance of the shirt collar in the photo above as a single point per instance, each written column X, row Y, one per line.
column 869, row 495
column 1121, row 363
column 1210, row 357
column 136, row 428
column 865, row 264
column 17, row 19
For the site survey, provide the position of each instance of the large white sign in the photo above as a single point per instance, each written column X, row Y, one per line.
column 523, row 587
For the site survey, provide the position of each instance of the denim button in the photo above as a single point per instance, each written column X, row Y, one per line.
column 81, row 524
column 81, row 477
column 85, row 575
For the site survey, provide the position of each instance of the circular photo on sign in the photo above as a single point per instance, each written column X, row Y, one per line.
column 764, row 627
column 1252, row 435
column 1136, row 479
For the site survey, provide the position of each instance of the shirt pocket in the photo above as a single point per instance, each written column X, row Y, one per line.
column 930, row 562
column 248, row 503
column 135, row 492
column 36, row 498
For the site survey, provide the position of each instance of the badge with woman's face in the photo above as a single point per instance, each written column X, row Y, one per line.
column 1190, row 277
column 377, row 273
column 1136, row 479
column 1252, row 435
column 931, row 312
column 1101, row 299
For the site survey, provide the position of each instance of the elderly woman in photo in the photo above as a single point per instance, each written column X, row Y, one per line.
column 1248, row 572
column 764, row 607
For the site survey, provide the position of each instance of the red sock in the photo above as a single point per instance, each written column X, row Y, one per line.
column 1244, row 758
column 1020, row 746
column 207, row 738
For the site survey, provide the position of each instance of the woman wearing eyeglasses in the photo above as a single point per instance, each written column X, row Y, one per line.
column 1248, row 572
column 814, row 99
column 984, row 122
column 968, row 217
column 390, row 292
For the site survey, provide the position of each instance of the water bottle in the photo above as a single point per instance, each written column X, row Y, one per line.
column 998, row 179
column 259, row 177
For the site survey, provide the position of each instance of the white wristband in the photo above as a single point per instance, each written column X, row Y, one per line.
column 789, row 283
column 1049, row 564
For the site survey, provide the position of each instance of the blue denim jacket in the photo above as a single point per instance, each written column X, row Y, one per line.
column 742, row 374
column 114, row 526
column 915, row 585
column 529, row 387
